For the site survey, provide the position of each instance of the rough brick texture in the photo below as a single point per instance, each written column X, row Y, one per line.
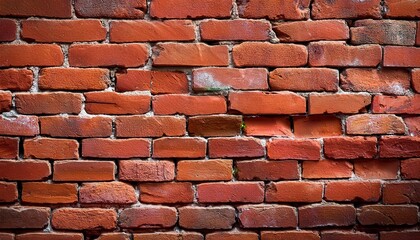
column 209, row 119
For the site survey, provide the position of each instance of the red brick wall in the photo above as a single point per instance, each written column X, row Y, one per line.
column 209, row 119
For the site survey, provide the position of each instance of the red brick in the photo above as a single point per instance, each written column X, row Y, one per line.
column 74, row 126
column 148, row 217
column 84, row 219
column 108, row 55
column 343, row 191
column 8, row 193
column 350, row 147
column 264, row 54
column 387, row 81
column 49, row 236
column 36, row 8
column 400, row 235
column 399, row 147
column 306, row 192
column 110, row 8
column 5, row 101
column 220, row 125
column 192, row 217
column 114, row 236
column 388, row 215
column 274, row 9
column 19, row 125
column 73, row 79
column 346, row 9
column 327, row 169
column 317, row 126
column 347, row 235
column 235, row 147
column 402, row 9
column 24, row 170
column 152, row 31
column 236, row 192
column 190, row 8
column 304, row 79
column 146, row 171
column 232, row 236
column 418, row 35
column 154, row 126
column 327, row 215
column 169, row 236
column 413, row 125
column 8, row 29
column 49, row 193
column 83, row 171
column 290, row 235
column 244, row 102
column 115, row 148
column 188, row 105
column 395, row 56
column 63, row 30
column 173, row 192
column 415, row 74
column 107, row 193
column 305, row 31
column 301, row 149
column 208, row 170
column 189, row 54
column 232, row 30
column 221, row 79
column 267, row 216
column 267, row 126
column 267, row 170
column 16, row 79
column 48, row 103
column 24, row 217
column 377, row 169
column 338, row 103
column 410, row 167
column 158, row 82
column 369, row 124
column 49, row 148
column 396, row 104
column 9, row 147
column 383, row 32
column 7, row 236
column 19, row 55
column 325, row 54
column 179, row 148
column 401, row 193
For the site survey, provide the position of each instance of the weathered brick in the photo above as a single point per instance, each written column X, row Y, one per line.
column 354, row 191
column 401, row 193
column 388, row 215
column 115, row 236
column 304, row 79
column 146, row 171
column 402, row 9
column 188, row 105
column 24, row 217
column 350, row 147
column 74, row 126
column 396, row 104
column 151, row 31
column 294, row 192
column 395, row 56
column 26, row 170
column 338, row 103
column 16, row 79
column 179, row 148
column 107, row 193
column 387, row 81
column 289, row 235
column 235, row 147
column 327, row 215
column 267, row 170
column 148, row 217
column 83, row 171
column 305, row 31
column 49, row 148
column 173, row 192
column 413, row 125
column 267, row 126
column 5, row 101
column 192, row 217
column 115, row 148
column 8, row 193
column 399, row 147
column 49, row 193
column 154, row 126
column 73, row 79
column 67, row 31
column 7, row 236
column 84, row 219
column 415, row 76
column 19, row 55
column 369, row 124
column 325, row 54
column 190, row 8
column 110, row 8
column 409, row 168
column 8, row 29
column 299, row 149
column 232, row 236
column 346, row 9
column 267, row 216
column 274, row 9
column 9, row 147
column 327, row 169
column 36, row 8
column 237, row 192
column 388, row 32
column 48, row 103
column 238, row 29
column 347, row 235
column 317, row 126
column 49, row 236
column 222, row 79
column 399, row 235
column 244, row 102
column 108, row 55
column 208, row 170
column 214, row 126
column 169, row 236
column 377, row 169
column 254, row 54
column 189, row 54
